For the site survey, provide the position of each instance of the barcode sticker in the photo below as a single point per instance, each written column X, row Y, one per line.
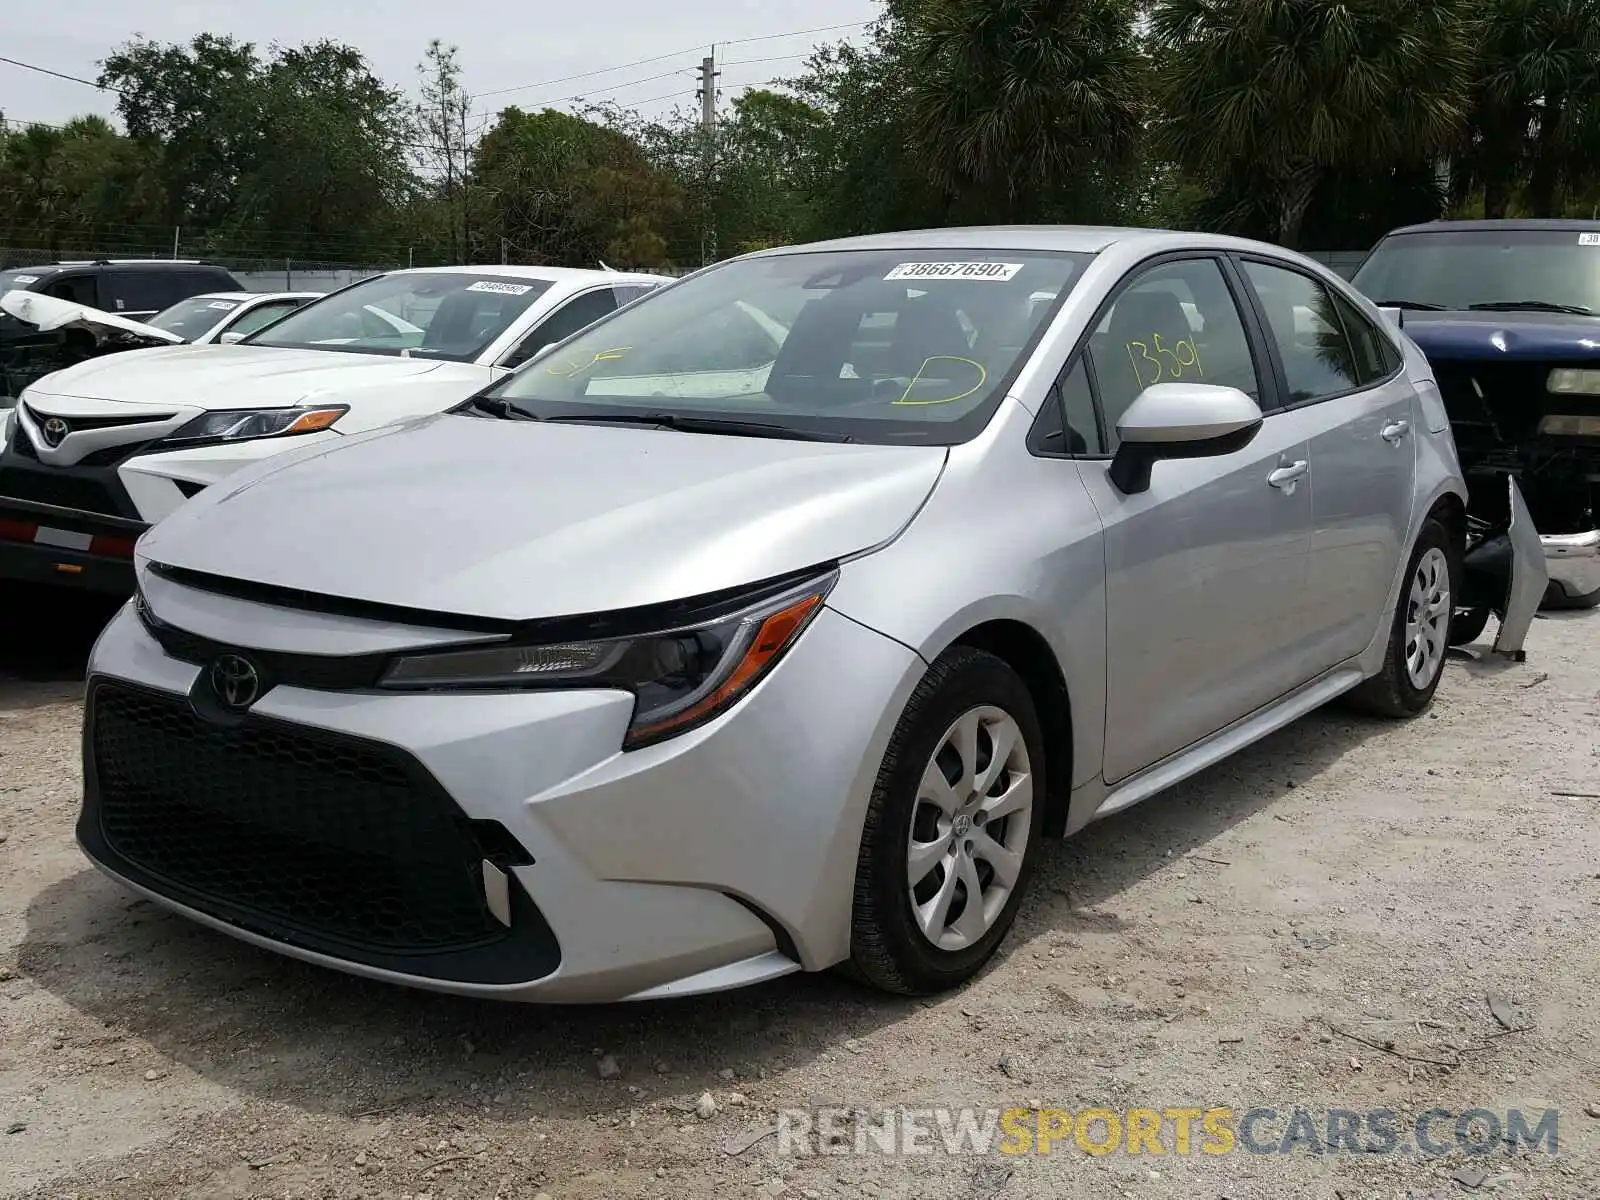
column 22, row 279
column 998, row 272
column 1589, row 239
column 223, row 305
column 503, row 289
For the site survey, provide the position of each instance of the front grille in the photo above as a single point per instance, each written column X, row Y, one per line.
column 58, row 486
column 342, row 846
column 323, row 672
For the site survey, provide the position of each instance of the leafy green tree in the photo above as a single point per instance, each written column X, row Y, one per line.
column 1283, row 92
column 1018, row 98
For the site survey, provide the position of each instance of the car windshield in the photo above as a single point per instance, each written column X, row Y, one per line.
column 879, row 346
column 190, row 318
column 1460, row 269
column 435, row 314
column 14, row 281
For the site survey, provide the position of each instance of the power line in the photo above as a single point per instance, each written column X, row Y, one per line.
column 642, row 62
column 60, row 75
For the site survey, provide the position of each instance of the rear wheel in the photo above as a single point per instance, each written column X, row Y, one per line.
column 952, row 829
column 1421, row 632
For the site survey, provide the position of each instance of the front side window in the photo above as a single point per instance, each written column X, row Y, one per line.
column 190, row 318
column 262, row 315
column 873, row 345
column 564, row 322
column 1535, row 270
column 1318, row 360
column 1175, row 323
column 452, row 315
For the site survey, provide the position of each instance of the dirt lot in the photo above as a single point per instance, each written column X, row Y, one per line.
column 1317, row 923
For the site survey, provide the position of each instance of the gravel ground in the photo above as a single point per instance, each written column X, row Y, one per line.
column 1317, row 923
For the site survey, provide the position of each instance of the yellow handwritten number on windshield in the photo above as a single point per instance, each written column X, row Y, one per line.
column 1166, row 362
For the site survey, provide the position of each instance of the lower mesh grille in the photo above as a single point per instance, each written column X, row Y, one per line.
column 349, row 844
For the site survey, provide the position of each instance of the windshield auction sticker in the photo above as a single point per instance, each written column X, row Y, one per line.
column 503, row 289
column 997, row 271
column 1589, row 239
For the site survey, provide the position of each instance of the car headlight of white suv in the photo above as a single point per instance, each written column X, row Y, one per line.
column 249, row 424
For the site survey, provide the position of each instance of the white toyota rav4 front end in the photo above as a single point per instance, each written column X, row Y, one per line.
column 98, row 452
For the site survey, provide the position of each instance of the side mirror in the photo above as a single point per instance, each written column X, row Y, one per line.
column 1180, row 420
column 229, row 339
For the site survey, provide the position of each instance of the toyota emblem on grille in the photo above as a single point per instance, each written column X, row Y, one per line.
column 235, row 681
column 55, row 431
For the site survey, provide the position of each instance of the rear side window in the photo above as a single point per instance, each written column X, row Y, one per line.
column 151, row 291
column 627, row 293
column 1318, row 358
column 1375, row 355
column 79, row 289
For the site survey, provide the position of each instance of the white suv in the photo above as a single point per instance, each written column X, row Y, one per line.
column 99, row 451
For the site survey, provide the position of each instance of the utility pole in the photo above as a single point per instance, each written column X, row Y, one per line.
column 708, row 130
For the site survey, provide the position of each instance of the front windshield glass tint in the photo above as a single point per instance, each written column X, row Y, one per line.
column 1457, row 270
column 190, row 318
column 874, row 345
column 448, row 315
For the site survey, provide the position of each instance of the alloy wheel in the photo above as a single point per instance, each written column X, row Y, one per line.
column 969, row 828
column 1428, row 614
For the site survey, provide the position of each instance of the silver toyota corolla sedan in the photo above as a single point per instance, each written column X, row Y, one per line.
column 772, row 622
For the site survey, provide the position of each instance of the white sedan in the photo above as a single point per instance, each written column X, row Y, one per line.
column 99, row 451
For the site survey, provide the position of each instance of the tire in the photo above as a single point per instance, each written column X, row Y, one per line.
column 1393, row 692
column 1467, row 625
column 888, row 947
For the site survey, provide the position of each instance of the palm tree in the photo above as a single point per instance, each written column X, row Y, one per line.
column 1285, row 90
column 1015, row 97
column 1534, row 105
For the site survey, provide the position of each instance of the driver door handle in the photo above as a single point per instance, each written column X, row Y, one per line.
column 1286, row 477
column 1393, row 433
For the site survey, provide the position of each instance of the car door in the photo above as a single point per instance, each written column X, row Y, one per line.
column 1334, row 371
column 1206, row 571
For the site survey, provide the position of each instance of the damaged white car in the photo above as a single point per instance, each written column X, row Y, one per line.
column 99, row 451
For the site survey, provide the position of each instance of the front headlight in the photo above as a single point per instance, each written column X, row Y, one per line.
column 1573, row 381
column 247, row 424
column 680, row 678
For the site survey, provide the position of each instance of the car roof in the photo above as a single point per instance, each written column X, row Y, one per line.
column 242, row 296
column 139, row 263
column 1504, row 225
column 1081, row 239
column 549, row 274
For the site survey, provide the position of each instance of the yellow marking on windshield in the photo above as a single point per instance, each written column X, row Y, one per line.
column 575, row 368
column 983, row 377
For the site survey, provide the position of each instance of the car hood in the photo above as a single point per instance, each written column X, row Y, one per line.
column 50, row 313
column 239, row 376
column 1507, row 337
column 475, row 517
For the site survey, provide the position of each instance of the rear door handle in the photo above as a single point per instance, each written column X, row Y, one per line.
column 1287, row 476
column 1393, row 433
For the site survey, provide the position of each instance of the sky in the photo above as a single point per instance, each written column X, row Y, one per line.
column 504, row 44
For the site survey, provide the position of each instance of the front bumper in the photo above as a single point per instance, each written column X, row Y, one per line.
column 1573, row 562
column 716, row 859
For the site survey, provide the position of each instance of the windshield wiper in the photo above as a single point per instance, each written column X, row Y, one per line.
column 692, row 424
column 1416, row 305
column 504, row 409
column 1576, row 310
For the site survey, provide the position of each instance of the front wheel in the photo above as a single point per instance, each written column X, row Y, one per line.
column 1421, row 632
column 951, row 833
